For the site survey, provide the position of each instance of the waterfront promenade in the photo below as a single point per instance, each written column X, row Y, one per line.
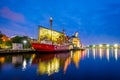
column 7, row 51
column 11, row 51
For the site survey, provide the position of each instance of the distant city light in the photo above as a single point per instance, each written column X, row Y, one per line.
column 100, row 45
column 115, row 45
column 93, row 45
column 108, row 45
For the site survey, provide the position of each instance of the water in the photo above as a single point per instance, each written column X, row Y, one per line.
column 91, row 64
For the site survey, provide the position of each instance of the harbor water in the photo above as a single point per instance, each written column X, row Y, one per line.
column 91, row 64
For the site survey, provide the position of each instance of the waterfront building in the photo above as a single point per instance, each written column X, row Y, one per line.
column 4, row 41
column 75, row 41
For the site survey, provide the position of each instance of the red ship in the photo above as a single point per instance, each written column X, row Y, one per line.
column 50, row 40
column 49, row 47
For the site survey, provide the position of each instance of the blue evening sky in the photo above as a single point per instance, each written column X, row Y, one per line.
column 97, row 21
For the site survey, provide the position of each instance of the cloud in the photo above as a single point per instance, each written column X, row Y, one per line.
column 10, row 32
column 12, row 28
column 5, row 12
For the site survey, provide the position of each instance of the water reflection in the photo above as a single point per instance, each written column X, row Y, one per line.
column 94, row 52
column 2, row 60
column 78, row 55
column 102, row 52
column 24, row 64
column 67, row 63
column 48, row 64
column 116, row 53
column 108, row 54
column 88, row 52
column 49, row 67
column 17, row 60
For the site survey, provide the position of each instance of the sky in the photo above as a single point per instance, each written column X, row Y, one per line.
column 96, row 21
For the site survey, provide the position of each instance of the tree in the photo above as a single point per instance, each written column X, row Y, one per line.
column 27, row 44
column 1, row 41
column 8, row 43
column 17, row 39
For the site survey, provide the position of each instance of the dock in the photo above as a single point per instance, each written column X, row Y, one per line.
column 11, row 51
column 75, row 49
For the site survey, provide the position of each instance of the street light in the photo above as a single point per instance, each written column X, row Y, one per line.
column 100, row 45
column 115, row 45
column 107, row 45
column 93, row 46
column 24, row 42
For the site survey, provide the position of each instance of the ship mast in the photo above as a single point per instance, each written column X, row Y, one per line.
column 51, row 20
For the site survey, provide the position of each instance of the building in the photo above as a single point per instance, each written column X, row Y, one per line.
column 75, row 41
column 4, row 41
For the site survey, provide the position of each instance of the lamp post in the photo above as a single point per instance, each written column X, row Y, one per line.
column 51, row 20
column 24, row 42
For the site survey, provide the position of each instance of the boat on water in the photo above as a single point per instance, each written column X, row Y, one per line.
column 49, row 48
column 50, row 40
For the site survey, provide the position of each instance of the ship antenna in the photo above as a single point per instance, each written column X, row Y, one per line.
column 51, row 20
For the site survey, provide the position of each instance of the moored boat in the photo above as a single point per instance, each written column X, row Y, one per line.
column 49, row 47
column 50, row 40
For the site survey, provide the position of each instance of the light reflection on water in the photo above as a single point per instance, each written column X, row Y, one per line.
column 107, row 54
column 116, row 53
column 102, row 52
column 56, row 64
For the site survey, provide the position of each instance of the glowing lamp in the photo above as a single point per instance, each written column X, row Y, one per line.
column 24, row 41
column 100, row 45
column 108, row 45
column 93, row 45
column 115, row 45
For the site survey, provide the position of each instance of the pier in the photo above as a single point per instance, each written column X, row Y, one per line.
column 11, row 51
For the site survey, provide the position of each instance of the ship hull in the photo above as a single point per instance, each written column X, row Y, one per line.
column 49, row 48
